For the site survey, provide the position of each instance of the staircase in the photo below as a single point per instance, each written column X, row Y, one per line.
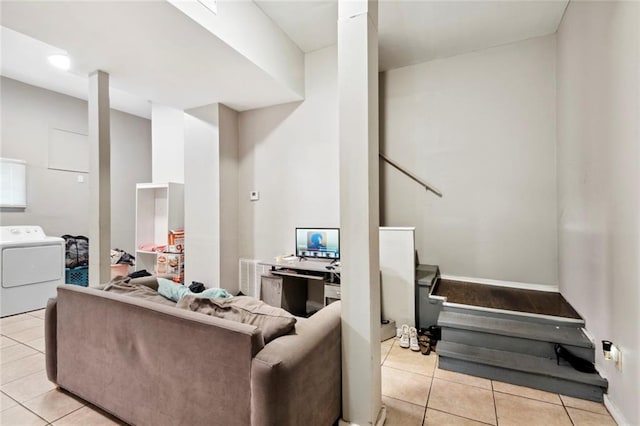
column 517, row 348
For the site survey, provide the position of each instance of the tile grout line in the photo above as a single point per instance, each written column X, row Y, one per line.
column 33, row 373
column 18, row 403
column 433, row 377
column 461, row 417
column 68, row 414
column 426, row 405
column 567, row 412
column 526, row 397
column 47, row 422
column 495, row 405
column 406, row 371
column 460, row 383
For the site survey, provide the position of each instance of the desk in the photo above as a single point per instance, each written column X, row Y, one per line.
column 286, row 287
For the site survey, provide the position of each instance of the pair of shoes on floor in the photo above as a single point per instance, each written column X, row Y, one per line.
column 425, row 344
column 409, row 338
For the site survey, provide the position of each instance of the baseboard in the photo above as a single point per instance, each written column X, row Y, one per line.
column 500, row 283
column 615, row 413
column 382, row 417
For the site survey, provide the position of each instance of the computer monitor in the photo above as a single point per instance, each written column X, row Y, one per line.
column 322, row 243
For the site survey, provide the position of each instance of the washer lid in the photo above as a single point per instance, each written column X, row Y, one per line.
column 14, row 234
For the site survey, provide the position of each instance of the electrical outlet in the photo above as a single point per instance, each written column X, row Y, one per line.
column 617, row 356
column 254, row 195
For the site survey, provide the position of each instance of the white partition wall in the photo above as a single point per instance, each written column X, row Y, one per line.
column 397, row 275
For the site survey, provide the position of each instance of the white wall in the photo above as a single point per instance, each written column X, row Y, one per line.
column 290, row 154
column 168, row 144
column 130, row 164
column 56, row 201
column 598, row 184
column 481, row 128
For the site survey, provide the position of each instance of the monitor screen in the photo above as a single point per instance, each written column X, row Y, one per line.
column 323, row 243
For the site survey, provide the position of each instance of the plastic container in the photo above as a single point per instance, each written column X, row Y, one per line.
column 427, row 310
column 77, row 276
column 119, row 269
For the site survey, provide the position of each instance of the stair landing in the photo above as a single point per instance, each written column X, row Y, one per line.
column 505, row 298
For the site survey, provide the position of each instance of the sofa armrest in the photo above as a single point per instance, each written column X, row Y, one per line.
column 296, row 379
column 50, row 339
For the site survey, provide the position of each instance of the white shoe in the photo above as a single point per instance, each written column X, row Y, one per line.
column 413, row 339
column 404, row 336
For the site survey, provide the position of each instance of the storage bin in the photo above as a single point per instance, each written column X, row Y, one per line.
column 119, row 269
column 77, row 276
column 427, row 310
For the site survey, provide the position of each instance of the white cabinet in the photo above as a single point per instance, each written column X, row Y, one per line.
column 159, row 209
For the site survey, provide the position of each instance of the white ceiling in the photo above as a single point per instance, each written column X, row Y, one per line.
column 153, row 52
column 416, row 31
column 150, row 49
column 25, row 59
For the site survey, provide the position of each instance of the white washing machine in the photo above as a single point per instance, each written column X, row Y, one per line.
column 31, row 267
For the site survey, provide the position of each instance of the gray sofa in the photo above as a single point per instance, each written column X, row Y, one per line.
column 152, row 364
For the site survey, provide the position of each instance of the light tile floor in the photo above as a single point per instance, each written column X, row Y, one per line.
column 414, row 391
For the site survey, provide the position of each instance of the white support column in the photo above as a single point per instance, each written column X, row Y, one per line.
column 211, row 196
column 100, row 179
column 359, row 211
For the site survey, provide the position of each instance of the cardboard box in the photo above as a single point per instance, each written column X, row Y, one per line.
column 176, row 241
column 171, row 264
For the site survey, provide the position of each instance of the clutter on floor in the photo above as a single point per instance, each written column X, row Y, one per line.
column 418, row 340
column 120, row 262
column 76, row 260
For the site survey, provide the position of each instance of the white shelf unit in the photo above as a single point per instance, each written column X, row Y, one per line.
column 159, row 209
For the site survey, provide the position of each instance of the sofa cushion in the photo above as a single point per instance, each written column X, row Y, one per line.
column 273, row 322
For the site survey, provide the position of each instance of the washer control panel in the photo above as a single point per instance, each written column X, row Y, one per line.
column 13, row 234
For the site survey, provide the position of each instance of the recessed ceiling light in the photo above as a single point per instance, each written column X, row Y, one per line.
column 60, row 61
